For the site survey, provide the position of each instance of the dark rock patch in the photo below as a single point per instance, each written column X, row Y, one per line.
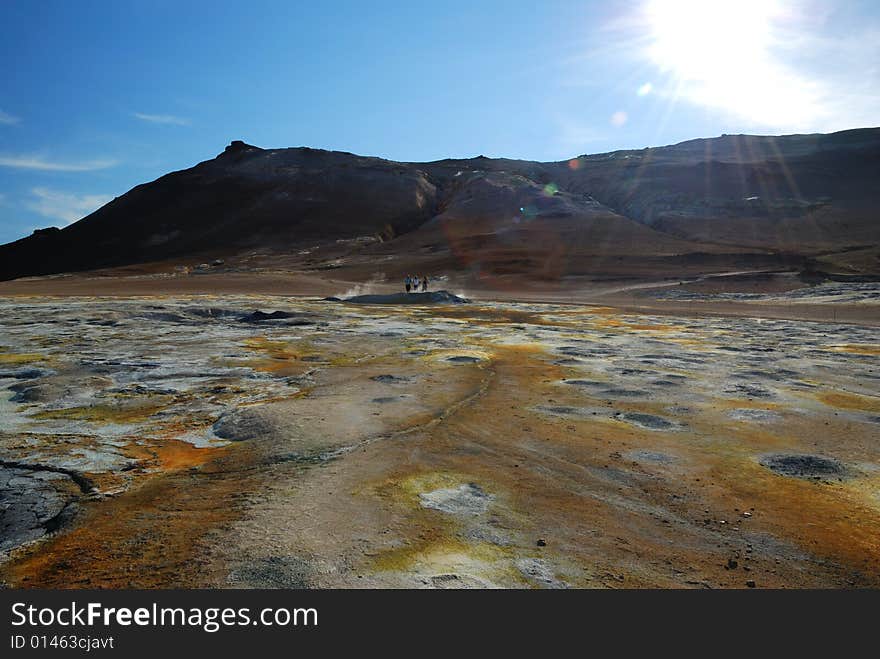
column 432, row 297
column 384, row 400
column 751, row 390
column 213, row 312
column 167, row 317
column 803, row 465
column 243, row 425
column 37, row 392
column 463, row 359
column 648, row 421
column 565, row 410
column 25, row 373
column 25, row 394
column 273, row 572
column 288, row 318
column 386, row 378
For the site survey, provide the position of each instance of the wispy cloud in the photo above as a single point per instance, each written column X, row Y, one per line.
column 168, row 119
column 41, row 164
column 64, row 206
column 8, row 119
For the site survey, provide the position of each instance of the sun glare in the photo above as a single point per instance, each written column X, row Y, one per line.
column 723, row 54
column 698, row 39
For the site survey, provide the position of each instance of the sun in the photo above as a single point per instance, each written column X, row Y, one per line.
column 728, row 55
column 705, row 39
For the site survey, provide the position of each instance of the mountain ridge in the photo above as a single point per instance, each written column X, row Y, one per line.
column 788, row 198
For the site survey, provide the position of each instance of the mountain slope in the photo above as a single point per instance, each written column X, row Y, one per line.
column 800, row 193
column 733, row 201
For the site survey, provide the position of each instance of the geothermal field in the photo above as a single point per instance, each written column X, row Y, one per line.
column 405, row 296
column 269, row 441
column 656, row 367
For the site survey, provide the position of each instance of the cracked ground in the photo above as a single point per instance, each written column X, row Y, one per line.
column 186, row 442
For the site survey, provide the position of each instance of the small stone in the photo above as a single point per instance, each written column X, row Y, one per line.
column 541, row 542
column 731, row 564
column 750, row 584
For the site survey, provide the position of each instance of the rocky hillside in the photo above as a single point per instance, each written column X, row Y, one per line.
column 732, row 201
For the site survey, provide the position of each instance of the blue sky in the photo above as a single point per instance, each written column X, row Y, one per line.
column 97, row 97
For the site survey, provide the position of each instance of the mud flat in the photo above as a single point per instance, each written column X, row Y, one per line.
column 246, row 440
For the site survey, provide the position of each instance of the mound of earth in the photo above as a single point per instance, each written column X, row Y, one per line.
column 432, row 297
column 288, row 318
column 244, row 424
column 466, row 499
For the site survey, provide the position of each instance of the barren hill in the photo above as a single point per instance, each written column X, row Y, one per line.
column 728, row 203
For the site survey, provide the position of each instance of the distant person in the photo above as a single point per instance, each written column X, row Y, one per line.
column 424, row 283
column 408, row 282
column 416, row 284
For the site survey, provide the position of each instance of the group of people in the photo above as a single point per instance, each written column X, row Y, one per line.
column 413, row 283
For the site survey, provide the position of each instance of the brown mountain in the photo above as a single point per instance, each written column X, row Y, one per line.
column 733, row 202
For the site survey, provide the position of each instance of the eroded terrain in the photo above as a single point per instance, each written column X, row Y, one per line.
column 192, row 441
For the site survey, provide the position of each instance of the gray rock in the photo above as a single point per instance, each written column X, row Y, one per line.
column 468, row 499
column 33, row 503
column 243, row 424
